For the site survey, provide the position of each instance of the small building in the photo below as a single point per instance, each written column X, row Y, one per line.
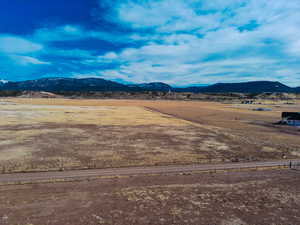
column 291, row 118
column 247, row 102
column 262, row 109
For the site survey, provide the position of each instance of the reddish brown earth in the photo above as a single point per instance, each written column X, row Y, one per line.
column 235, row 198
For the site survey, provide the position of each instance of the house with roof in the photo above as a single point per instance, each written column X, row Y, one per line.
column 291, row 118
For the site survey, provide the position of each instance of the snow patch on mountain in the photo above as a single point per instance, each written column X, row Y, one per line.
column 3, row 81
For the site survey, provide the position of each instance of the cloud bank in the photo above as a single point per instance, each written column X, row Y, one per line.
column 181, row 42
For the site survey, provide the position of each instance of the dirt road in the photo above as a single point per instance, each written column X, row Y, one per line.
column 20, row 178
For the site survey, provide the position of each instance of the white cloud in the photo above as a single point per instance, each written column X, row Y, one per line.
column 188, row 74
column 178, row 42
column 170, row 16
column 60, row 33
column 68, row 53
column 184, row 36
column 17, row 53
column 74, row 33
column 153, row 13
column 294, row 48
column 27, row 60
column 16, row 45
column 110, row 56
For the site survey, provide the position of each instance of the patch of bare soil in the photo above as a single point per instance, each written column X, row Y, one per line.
column 58, row 134
column 244, row 126
column 244, row 198
column 63, row 146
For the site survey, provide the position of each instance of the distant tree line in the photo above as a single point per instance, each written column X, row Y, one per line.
column 10, row 93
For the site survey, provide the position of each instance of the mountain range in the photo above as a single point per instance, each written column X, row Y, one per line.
column 101, row 85
column 245, row 87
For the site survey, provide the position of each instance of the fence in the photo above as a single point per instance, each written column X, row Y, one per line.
column 294, row 165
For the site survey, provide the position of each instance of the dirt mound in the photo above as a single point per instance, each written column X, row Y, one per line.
column 38, row 94
column 275, row 95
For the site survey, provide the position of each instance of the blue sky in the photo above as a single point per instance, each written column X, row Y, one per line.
column 182, row 42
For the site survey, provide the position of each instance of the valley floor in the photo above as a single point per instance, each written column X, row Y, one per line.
column 66, row 134
column 59, row 134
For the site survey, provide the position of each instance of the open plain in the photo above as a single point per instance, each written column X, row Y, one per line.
column 235, row 198
column 67, row 134
column 62, row 134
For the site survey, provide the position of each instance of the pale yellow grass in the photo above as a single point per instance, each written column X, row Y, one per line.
column 65, row 133
column 23, row 126
column 14, row 153
column 217, row 107
column 97, row 115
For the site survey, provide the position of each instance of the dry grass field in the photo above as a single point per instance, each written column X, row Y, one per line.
column 58, row 134
column 235, row 198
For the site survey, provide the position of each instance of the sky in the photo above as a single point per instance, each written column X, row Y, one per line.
column 179, row 42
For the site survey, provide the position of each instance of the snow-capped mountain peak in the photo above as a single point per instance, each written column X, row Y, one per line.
column 3, row 81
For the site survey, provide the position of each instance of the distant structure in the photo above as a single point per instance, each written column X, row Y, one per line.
column 263, row 109
column 248, row 102
column 291, row 118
